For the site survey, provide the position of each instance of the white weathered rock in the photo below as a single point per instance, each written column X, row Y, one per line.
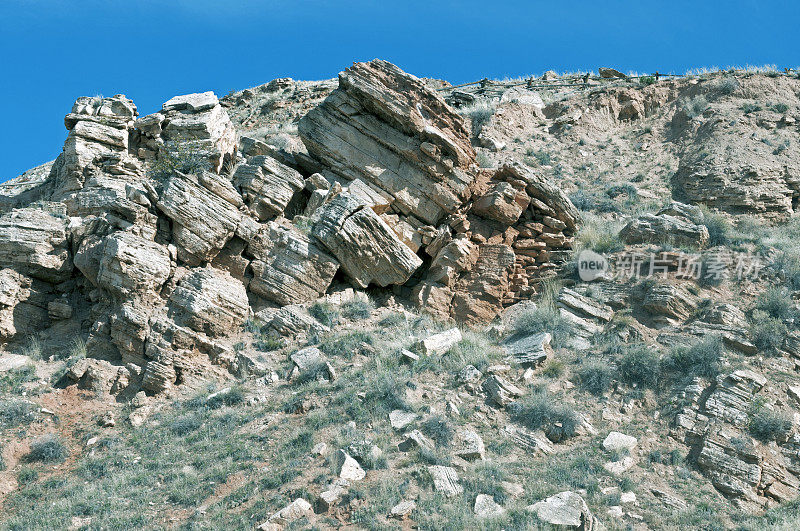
column 348, row 468
column 617, row 468
column 289, row 267
column 204, row 211
column 210, row 301
column 565, row 509
column 416, row 439
column 403, row 510
column 440, row 343
column 34, row 242
column 500, row 390
column 373, row 127
column 10, row 362
column 294, row 511
column 617, row 442
column 267, row 185
column 664, row 229
column 469, row 445
column 486, row 507
column 400, row 419
column 445, row 480
column 529, row 350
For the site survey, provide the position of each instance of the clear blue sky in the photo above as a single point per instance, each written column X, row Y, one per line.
column 56, row 50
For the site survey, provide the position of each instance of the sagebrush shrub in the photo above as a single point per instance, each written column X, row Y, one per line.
column 640, row 366
column 700, row 359
column 47, row 449
column 596, row 377
column 768, row 425
column 539, row 411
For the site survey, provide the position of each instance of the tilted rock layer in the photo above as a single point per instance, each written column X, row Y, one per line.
column 160, row 236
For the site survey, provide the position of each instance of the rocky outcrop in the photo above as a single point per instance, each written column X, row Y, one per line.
column 194, row 123
column 387, row 128
column 714, row 424
column 267, row 186
column 34, row 241
column 159, row 236
column 679, row 225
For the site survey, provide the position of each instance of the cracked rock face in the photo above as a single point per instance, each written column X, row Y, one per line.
column 159, row 235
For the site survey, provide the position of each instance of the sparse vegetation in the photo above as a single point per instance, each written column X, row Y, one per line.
column 539, row 411
column 47, row 449
column 694, row 107
column 479, row 114
column 700, row 359
column 325, row 313
column 178, row 156
column 768, row 425
column 358, row 309
column 596, row 377
column 640, row 366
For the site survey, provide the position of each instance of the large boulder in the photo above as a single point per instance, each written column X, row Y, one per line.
column 210, row 301
column 566, row 510
column 368, row 250
column 664, row 229
column 130, row 265
column 196, row 122
column 387, row 128
column 289, row 267
column 34, row 241
column 267, row 185
column 204, row 210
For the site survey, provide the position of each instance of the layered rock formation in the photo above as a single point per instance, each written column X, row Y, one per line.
column 164, row 239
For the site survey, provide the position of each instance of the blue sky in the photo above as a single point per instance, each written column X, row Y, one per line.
column 56, row 50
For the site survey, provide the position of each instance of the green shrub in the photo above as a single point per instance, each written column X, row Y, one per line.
column 553, row 369
column 726, row 86
column 639, row 366
column 186, row 424
column 700, row 359
column 347, row 344
column 269, row 343
column 439, row 429
column 787, row 265
column 484, row 160
column 545, row 318
column 16, row 412
column 47, row 449
column 325, row 313
column 479, row 114
column 234, row 397
column 777, row 303
column 768, row 425
column 178, row 156
column 695, row 106
column 596, row 377
column 27, row 475
column 598, row 235
column 358, row 309
column 13, row 381
column 32, row 348
column 542, row 157
column 385, row 392
column 719, row 229
column 748, row 108
column 767, row 332
column 539, row 411
column 780, row 108
column 647, row 80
